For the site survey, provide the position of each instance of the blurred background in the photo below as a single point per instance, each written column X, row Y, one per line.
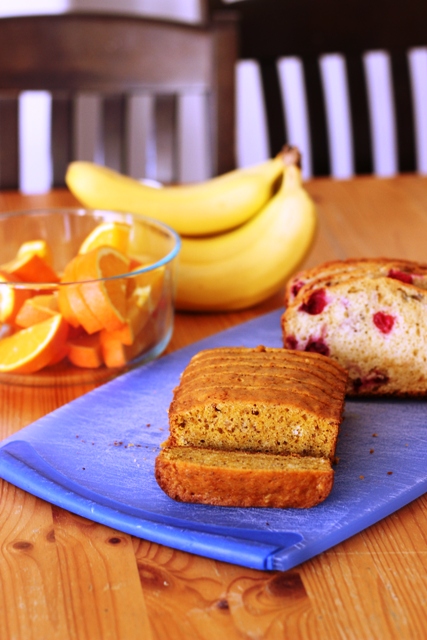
column 345, row 82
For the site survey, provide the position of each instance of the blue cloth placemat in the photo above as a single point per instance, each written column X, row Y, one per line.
column 95, row 457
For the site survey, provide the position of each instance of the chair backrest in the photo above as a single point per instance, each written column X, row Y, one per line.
column 138, row 77
column 344, row 80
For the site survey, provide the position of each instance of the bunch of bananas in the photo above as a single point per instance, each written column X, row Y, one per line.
column 243, row 233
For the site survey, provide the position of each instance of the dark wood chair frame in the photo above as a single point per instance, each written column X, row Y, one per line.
column 114, row 55
column 270, row 29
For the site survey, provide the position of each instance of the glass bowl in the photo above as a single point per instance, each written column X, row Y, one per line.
column 84, row 294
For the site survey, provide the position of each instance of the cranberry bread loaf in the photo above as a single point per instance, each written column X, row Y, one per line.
column 263, row 399
column 242, row 479
column 368, row 315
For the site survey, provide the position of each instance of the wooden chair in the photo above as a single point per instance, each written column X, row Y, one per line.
column 118, row 61
column 345, row 81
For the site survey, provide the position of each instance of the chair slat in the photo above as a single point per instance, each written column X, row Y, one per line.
column 294, row 98
column 338, row 114
column 252, row 133
column 113, row 131
column 62, row 143
column 166, row 142
column 381, row 112
column 9, row 166
column 194, row 138
column 274, row 105
column 140, row 151
column 360, row 124
column 34, row 131
column 317, row 117
column 417, row 59
column 87, row 127
column 221, row 93
column 402, row 99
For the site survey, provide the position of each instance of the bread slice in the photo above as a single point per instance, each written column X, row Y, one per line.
column 336, row 271
column 368, row 315
column 261, row 399
column 242, row 479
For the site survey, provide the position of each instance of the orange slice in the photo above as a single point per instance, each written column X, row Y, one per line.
column 11, row 298
column 59, row 355
column 37, row 309
column 72, row 304
column 108, row 234
column 39, row 247
column 135, row 263
column 103, row 292
column 31, row 349
column 117, row 354
column 30, row 267
column 153, row 279
column 65, row 307
column 85, row 351
column 137, row 314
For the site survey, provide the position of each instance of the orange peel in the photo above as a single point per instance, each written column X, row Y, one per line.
column 108, row 234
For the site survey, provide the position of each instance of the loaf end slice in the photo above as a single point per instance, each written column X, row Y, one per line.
column 241, row 479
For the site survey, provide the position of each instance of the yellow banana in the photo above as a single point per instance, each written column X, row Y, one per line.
column 199, row 209
column 245, row 266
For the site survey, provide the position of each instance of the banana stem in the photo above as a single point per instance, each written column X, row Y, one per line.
column 291, row 158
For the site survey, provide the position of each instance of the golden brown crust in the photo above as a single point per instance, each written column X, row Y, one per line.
column 308, row 369
column 267, row 354
column 338, row 270
column 239, row 479
column 234, row 371
column 301, row 397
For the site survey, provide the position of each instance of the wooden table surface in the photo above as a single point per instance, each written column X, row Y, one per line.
column 62, row 576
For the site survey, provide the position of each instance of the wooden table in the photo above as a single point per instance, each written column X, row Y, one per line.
column 62, row 576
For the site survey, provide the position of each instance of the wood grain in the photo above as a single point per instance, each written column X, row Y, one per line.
column 100, row 580
column 64, row 577
column 31, row 594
